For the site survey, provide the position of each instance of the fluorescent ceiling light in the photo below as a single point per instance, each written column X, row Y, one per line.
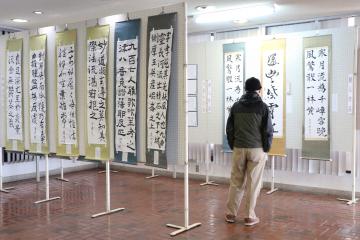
column 37, row 12
column 19, row 20
column 236, row 14
column 240, row 21
column 351, row 21
column 205, row 8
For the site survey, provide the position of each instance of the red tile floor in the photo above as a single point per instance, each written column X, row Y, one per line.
column 150, row 204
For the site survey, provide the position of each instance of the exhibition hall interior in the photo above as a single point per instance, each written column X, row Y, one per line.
column 175, row 119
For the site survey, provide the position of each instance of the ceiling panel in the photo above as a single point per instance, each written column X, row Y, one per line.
column 68, row 11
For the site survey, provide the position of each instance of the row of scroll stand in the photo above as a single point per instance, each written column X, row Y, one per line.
column 107, row 170
column 108, row 210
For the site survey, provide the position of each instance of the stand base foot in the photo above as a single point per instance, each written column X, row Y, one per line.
column 271, row 191
column 6, row 190
column 348, row 201
column 47, row 200
column 182, row 229
column 113, row 171
column 107, row 213
column 152, row 176
column 62, row 179
column 209, row 183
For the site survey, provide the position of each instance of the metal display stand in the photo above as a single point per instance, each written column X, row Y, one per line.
column 108, row 208
column 2, row 189
column 353, row 199
column 153, row 175
column 47, row 185
column 104, row 171
column 273, row 189
column 174, row 172
column 186, row 226
column 37, row 168
column 61, row 178
column 207, row 168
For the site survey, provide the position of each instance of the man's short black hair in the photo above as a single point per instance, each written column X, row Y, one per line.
column 252, row 84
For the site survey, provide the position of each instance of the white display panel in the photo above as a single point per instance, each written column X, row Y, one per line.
column 14, row 96
column 159, row 68
column 125, row 95
column 316, row 98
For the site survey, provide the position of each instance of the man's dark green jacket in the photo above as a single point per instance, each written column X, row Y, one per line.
column 249, row 123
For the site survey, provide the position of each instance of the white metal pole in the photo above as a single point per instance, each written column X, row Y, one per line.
column 186, row 193
column 47, row 176
column 355, row 78
column 107, row 186
column 47, row 184
column 37, row 169
column 272, row 172
column 207, row 172
column 107, row 194
column 62, row 169
column 207, row 167
column 5, row 190
column 272, row 189
column 1, row 168
column 186, row 227
column 174, row 172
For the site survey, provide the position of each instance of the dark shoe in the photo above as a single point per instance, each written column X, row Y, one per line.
column 251, row 221
column 229, row 218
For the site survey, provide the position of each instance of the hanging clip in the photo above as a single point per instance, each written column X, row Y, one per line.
column 162, row 10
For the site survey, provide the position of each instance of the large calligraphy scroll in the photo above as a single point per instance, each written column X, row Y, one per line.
column 37, row 95
column 234, row 73
column 67, row 136
column 96, row 93
column 14, row 96
column 317, row 69
column 161, row 71
column 273, row 89
column 126, row 49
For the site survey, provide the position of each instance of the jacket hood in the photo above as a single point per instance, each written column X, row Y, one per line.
column 250, row 98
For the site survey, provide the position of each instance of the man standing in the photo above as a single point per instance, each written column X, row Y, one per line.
column 249, row 133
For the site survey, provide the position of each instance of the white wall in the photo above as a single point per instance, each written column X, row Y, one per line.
column 208, row 56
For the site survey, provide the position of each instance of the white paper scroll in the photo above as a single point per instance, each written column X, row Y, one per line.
column 66, row 105
column 96, row 90
column 125, row 100
column 316, row 107
column 160, row 47
column 37, row 89
column 233, row 79
column 14, row 96
column 273, row 87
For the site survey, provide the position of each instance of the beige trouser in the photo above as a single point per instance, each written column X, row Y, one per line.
column 247, row 171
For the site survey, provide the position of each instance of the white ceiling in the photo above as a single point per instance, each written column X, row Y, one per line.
column 68, row 11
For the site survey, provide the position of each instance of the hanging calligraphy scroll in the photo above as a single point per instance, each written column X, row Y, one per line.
column 161, row 72
column 273, row 89
column 37, row 95
column 234, row 73
column 126, row 77
column 317, row 78
column 14, row 96
column 96, row 93
column 67, row 136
